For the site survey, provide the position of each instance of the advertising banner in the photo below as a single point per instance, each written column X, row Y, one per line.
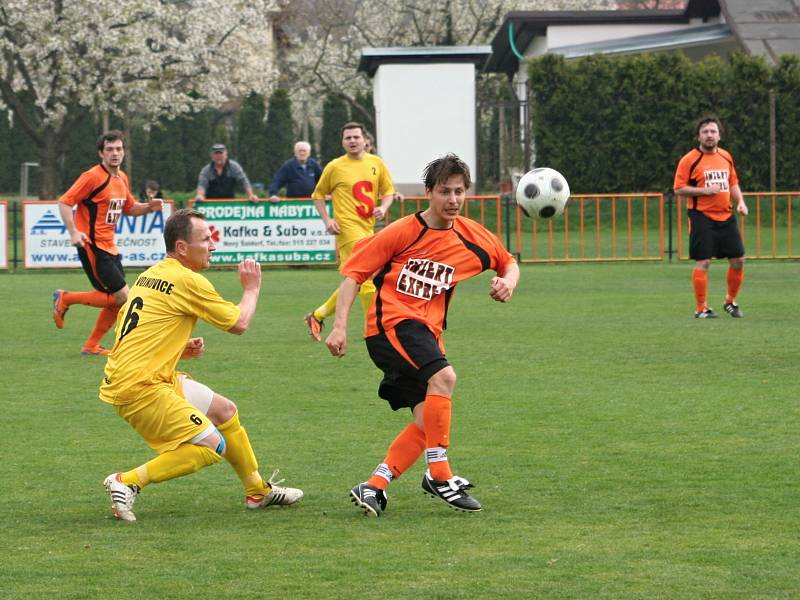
column 140, row 239
column 287, row 232
column 3, row 234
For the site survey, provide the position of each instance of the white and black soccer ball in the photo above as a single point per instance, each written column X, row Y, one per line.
column 542, row 193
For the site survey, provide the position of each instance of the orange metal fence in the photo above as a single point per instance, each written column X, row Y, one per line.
column 600, row 227
column 594, row 227
column 767, row 231
column 487, row 210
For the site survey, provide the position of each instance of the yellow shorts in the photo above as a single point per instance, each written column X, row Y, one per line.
column 345, row 247
column 164, row 418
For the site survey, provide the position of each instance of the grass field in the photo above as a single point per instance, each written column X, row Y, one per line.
column 621, row 449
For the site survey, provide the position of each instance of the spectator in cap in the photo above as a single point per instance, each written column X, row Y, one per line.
column 218, row 178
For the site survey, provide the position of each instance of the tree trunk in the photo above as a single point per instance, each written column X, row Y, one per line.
column 50, row 164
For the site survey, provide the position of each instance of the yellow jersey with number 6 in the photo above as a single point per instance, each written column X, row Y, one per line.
column 154, row 325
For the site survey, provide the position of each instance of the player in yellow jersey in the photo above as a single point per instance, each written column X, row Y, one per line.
column 188, row 424
column 357, row 181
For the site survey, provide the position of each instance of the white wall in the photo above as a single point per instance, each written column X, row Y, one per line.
column 422, row 112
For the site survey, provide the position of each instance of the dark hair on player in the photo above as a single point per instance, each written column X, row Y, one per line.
column 705, row 120
column 354, row 125
column 179, row 227
column 444, row 167
column 110, row 136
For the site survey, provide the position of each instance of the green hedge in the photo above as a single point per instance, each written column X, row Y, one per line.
column 620, row 124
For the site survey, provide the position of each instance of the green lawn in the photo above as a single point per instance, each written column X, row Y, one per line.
column 621, row 449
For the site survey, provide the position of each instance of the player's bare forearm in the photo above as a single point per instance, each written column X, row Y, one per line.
column 502, row 287
column 250, row 278
column 690, row 190
column 736, row 194
column 331, row 226
column 77, row 238
column 381, row 211
column 142, row 208
column 337, row 339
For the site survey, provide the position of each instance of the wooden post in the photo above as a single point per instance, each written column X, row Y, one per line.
column 772, row 142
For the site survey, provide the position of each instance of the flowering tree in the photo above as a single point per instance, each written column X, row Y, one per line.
column 141, row 60
column 325, row 37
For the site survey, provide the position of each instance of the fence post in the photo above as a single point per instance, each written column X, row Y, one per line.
column 15, row 207
column 507, row 209
column 670, row 250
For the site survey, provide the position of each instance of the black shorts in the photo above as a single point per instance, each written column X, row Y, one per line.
column 408, row 355
column 104, row 270
column 713, row 239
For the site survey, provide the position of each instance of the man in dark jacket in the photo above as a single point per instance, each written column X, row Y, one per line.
column 218, row 178
column 299, row 174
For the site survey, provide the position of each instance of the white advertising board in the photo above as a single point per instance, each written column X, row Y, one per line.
column 47, row 245
column 288, row 232
column 3, row 234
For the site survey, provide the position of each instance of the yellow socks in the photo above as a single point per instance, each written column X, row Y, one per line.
column 239, row 453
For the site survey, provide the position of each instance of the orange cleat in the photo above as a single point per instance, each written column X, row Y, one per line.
column 59, row 308
column 314, row 326
column 95, row 351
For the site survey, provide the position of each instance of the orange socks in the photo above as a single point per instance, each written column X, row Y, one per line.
column 436, row 413
column 700, row 285
column 105, row 320
column 94, row 298
column 402, row 454
column 735, row 278
column 409, row 444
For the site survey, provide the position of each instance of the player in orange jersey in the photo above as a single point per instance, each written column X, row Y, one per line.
column 417, row 262
column 100, row 195
column 707, row 177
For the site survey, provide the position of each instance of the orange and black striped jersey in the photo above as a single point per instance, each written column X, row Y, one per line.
column 100, row 198
column 416, row 268
column 701, row 169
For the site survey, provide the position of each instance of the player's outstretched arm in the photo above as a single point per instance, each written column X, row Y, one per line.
column 337, row 339
column 250, row 278
column 501, row 288
column 141, row 208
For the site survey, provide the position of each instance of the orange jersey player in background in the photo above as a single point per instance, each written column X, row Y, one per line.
column 416, row 262
column 99, row 196
column 707, row 176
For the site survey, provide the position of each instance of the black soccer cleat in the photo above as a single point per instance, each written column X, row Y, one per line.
column 371, row 499
column 733, row 310
column 452, row 491
column 706, row 313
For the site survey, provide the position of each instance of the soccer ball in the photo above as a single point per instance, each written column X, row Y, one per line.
column 542, row 193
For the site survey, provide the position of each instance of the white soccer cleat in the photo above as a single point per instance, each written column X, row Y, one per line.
column 122, row 497
column 278, row 495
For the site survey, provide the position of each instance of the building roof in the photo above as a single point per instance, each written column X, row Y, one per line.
column 526, row 25
column 372, row 58
column 766, row 28
column 717, row 35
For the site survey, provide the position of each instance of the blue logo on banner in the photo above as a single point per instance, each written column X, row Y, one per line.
column 48, row 221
